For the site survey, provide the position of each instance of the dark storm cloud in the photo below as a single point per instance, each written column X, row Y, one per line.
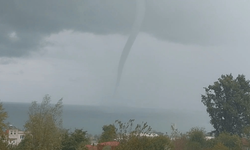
column 32, row 20
column 190, row 22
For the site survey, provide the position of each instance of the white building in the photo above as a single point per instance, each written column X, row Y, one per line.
column 209, row 137
column 149, row 134
column 15, row 135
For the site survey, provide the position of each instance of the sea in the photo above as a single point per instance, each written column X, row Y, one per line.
column 92, row 118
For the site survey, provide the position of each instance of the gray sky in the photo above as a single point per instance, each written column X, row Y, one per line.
column 71, row 49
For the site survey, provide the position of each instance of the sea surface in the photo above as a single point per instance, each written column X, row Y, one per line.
column 92, row 118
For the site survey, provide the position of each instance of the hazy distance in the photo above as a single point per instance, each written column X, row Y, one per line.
column 71, row 50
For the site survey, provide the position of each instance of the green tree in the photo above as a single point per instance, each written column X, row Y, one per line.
column 233, row 142
column 107, row 147
column 228, row 104
column 160, row 143
column 175, row 134
column 219, row 146
column 178, row 139
column 180, row 143
column 196, row 139
column 146, row 143
column 225, row 141
column 3, row 127
column 25, row 144
column 43, row 129
column 210, row 144
column 139, row 137
column 108, row 134
column 75, row 140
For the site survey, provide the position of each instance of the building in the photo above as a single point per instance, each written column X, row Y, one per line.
column 91, row 147
column 112, row 145
column 15, row 135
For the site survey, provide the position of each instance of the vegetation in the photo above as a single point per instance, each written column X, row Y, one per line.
column 139, row 137
column 3, row 126
column 230, row 141
column 228, row 104
column 219, row 146
column 108, row 134
column 74, row 140
column 180, row 143
column 196, row 139
column 43, row 129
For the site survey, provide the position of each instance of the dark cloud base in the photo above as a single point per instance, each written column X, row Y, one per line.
column 197, row 22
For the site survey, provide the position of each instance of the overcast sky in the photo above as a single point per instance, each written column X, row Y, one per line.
column 71, row 49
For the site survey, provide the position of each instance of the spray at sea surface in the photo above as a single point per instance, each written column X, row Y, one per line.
column 140, row 13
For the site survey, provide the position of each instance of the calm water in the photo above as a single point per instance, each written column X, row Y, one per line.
column 92, row 118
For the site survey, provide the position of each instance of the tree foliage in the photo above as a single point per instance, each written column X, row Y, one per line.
column 232, row 142
column 225, row 141
column 43, row 129
column 196, row 139
column 160, row 143
column 228, row 104
column 178, row 139
column 180, row 143
column 126, row 130
column 146, row 143
column 219, row 146
column 138, row 137
column 75, row 140
column 3, row 127
column 108, row 134
column 107, row 147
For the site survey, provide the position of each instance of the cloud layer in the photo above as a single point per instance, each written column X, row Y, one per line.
column 24, row 24
column 81, row 68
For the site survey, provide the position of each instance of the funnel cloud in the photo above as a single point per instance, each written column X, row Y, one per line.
column 140, row 13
